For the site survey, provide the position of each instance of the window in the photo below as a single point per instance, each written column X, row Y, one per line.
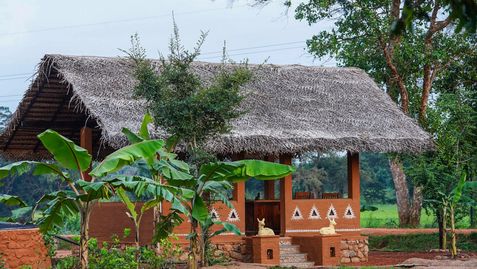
column 321, row 176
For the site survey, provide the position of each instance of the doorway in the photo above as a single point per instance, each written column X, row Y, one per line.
column 262, row 201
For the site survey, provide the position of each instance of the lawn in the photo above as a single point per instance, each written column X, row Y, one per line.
column 419, row 242
column 387, row 217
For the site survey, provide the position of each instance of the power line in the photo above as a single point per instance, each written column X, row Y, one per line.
column 256, row 47
column 15, row 75
column 255, row 52
column 109, row 22
column 14, row 78
column 11, row 95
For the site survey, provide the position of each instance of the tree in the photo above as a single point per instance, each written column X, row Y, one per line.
column 404, row 66
column 82, row 194
column 5, row 115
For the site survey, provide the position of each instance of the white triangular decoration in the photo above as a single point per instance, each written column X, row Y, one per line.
column 233, row 216
column 349, row 213
column 297, row 214
column 214, row 214
column 332, row 214
column 314, row 213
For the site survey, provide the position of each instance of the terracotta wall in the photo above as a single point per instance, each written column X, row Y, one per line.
column 23, row 248
column 309, row 222
column 108, row 219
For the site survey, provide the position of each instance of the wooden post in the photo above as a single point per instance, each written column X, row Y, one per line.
column 238, row 194
column 353, row 176
column 285, row 196
column 86, row 142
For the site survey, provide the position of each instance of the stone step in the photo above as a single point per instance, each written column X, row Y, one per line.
column 284, row 249
column 293, row 257
column 298, row 264
column 285, row 241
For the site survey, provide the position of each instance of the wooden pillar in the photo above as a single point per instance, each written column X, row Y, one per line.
column 86, row 142
column 353, row 176
column 238, row 195
column 285, row 196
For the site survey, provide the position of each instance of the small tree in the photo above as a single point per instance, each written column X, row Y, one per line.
column 82, row 195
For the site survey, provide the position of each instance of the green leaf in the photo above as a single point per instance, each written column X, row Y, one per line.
column 129, row 205
column 263, row 170
column 172, row 172
column 457, row 191
column 244, row 170
column 227, row 227
column 144, row 131
column 65, row 151
column 127, row 156
column 132, row 137
column 39, row 168
column 11, row 200
column 93, row 190
column 171, row 143
column 59, row 205
column 199, row 210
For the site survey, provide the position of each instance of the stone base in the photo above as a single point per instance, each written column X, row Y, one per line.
column 354, row 249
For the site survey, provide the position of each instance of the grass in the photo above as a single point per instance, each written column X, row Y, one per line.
column 387, row 217
column 419, row 242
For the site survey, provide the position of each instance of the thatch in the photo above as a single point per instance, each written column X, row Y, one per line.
column 290, row 109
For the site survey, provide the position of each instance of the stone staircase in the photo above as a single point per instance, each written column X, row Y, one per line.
column 290, row 255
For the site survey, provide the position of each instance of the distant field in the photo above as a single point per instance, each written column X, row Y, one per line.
column 386, row 217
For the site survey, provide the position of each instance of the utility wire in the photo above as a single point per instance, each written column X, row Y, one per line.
column 256, row 47
column 109, row 22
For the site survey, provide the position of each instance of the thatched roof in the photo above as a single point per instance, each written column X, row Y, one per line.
column 291, row 109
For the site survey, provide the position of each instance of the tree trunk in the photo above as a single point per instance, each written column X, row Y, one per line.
column 444, row 227
column 453, row 235
column 409, row 210
column 416, row 206
column 84, row 236
column 194, row 247
column 441, row 228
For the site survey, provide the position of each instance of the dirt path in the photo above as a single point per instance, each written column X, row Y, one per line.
column 386, row 231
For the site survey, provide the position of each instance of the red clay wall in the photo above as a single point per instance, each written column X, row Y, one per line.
column 23, row 248
column 108, row 219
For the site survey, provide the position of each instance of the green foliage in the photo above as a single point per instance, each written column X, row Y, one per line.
column 50, row 243
column 11, row 200
column 5, row 116
column 179, row 101
column 70, row 262
column 2, row 262
column 418, row 242
column 114, row 256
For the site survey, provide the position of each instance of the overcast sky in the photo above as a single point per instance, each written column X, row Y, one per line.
column 31, row 28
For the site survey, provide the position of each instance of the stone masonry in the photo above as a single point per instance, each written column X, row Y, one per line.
column 354, row 250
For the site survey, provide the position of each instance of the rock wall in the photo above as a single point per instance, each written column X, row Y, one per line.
column 354, row 250
column 236, row 251
column 23, row 248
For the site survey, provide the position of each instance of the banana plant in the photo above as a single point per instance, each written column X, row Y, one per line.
column 213, row 179
column 82, row 194
column 449, row 203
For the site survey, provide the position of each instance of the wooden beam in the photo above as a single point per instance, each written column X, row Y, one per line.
column 86, row 142
column 285, row 196
column 353, row 176
column 53, row 118
column 30, row 104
